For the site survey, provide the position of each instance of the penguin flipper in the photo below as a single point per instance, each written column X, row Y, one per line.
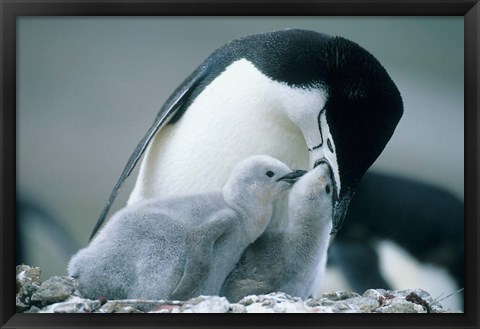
column 199, row 253
column 176, row 103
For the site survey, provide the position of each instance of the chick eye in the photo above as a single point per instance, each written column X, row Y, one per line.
column 270, row 173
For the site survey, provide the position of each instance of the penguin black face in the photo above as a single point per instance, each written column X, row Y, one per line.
column 363, row 108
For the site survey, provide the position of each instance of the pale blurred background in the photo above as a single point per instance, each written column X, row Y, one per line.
column 88, row 88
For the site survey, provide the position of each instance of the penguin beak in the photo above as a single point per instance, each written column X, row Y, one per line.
column 292, row 177
column 340, row 202
column 339, row 211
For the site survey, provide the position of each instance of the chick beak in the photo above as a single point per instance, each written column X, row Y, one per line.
column 292, row 177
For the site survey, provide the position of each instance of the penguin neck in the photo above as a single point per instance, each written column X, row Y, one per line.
column 309, row 231
column 255, row 212
column 310, row 222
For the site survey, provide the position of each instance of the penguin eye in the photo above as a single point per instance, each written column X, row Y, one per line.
column 330, row 147
column 270, row 173
column 327, row 189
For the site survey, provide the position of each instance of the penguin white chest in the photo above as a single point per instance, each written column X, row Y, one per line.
column 240, row 113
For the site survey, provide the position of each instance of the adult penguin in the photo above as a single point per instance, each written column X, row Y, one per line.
column 297, row 95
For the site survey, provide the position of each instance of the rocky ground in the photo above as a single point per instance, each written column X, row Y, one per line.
column 59, row 295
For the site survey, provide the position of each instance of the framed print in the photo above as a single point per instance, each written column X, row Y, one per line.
column 83, row 81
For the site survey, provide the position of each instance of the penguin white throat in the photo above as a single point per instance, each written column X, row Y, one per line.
column 242, row 112
column 303, row 106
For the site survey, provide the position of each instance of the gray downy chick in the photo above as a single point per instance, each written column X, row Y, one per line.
column 292, row 260
column 148, row 248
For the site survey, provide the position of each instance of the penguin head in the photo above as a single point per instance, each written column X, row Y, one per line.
column 356, row 104
column 362, row 110
column 259, row 178
column 253, row 185
column 314, row 192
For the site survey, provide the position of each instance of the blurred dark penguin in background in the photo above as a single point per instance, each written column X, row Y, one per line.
column 424, row 220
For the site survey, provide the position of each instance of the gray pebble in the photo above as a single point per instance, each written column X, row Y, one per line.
column 28, row 274
column 205, row 304
column 55, row 289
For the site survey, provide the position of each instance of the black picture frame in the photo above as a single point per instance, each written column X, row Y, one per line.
column 11, row 10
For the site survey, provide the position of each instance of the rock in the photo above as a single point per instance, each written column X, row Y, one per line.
column 77, row 307
column 339, row 295
column 73, row 304
column 166, row 308
column 248, row 300
column 377, row 301
column 20, row 306
column 33, row 309
column 204, row 304
column 237, row 308
column 59, row 295
column 342, row 302
column 365, row 305
column 135, row 306
column 405, row 301
column 27, row 283
column 114, row 307
column 374, row 293
column 400, row 306
column 55, row 289
column 273, row 303
column 27, row 275
column 23, row 297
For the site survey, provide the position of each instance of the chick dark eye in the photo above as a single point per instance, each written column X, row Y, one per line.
column 270, row 173
column 327, row 189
